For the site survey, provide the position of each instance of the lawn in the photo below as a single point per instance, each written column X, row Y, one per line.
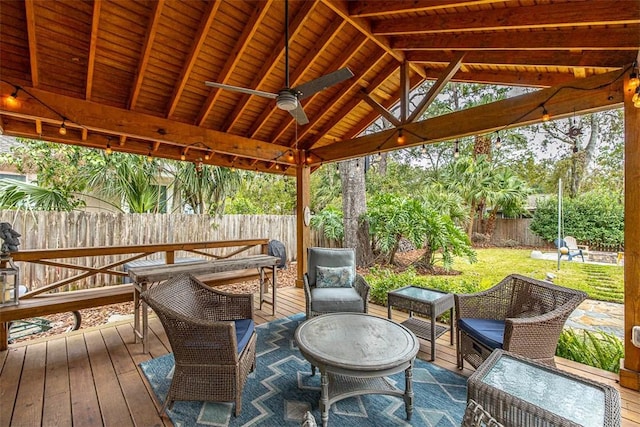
column 601, row 282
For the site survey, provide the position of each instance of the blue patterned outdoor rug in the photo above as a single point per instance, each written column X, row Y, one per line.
column 281, row 390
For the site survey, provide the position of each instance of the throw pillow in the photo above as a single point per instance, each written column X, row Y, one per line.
column 334, row 277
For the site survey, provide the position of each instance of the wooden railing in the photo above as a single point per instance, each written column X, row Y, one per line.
column 63, row 258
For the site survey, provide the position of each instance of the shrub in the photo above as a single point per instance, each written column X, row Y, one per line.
column 599, row 349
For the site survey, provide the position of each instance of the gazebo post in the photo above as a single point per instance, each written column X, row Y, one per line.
column 630, row 365
column 303, row 196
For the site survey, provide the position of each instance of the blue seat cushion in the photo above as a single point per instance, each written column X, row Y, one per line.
column 333, row 300
column 244, row 330
column 488, row 332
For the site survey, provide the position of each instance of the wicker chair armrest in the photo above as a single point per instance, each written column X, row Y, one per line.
column 362, row 287
column 307, row 286
column 534, row 337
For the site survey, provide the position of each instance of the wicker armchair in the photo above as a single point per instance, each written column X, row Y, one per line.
column 476, row 416
column 522, row 315
column 213, row 338
column 343, row 297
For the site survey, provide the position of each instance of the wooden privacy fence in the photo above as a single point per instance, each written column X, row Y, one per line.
column 59, row 230
column 514, row 231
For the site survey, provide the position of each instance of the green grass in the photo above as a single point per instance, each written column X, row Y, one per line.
column 601, row 282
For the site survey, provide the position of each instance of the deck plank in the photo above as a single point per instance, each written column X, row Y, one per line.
column 84, row 399
column 57, row 395
column 9, row 382
column 112, row 404
column 92, row 367
column 30, row 398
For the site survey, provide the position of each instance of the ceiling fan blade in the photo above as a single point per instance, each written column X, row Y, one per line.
column 316, row 85
column 299, row 115
column 242, row 90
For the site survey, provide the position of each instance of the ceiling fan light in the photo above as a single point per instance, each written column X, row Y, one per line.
column 287, row 101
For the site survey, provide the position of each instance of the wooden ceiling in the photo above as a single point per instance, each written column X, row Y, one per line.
column 130, row 74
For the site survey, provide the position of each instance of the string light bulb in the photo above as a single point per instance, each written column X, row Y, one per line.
column 63, row 128
column 636, row 98
column 545, row 114
column 401, row 138
column 290, row 156
column 12, row 100
column 149, row 157
column 207, row 155
column 183, row 156
column 456, row 150
column 108, row 150
column 424, row 149
column 498, row 142
column 309, row 159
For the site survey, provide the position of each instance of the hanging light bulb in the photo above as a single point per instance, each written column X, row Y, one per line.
column 183, row 156
column 12, row 100
column 149, row 157
column 309, row 159
column 424, row 149
column 401, row 138
column 456, row 150
column 108, row 150
column 290, row 156
column 498, row 142
column 63, row 128
column 207, row 156
column 277, row 166
column 636, row 98
column 545, row 114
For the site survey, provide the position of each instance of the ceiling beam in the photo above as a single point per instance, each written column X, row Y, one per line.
column 508, row 78
column 586, row 39
column 116, row 121
column 296, row 76
column 152, row 28
column 605, row 59
column 367, row 8
column 437, row 87
column 379, row 108
column 234, row 57
column 587, row 95
column 93, row 41
column 571, row 14
column 391, row 100
column 341, row 8
column 271, row 62
column 29, row 6
column 201, row 35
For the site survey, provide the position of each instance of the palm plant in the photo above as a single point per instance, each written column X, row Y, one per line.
column 16, row 195
column 204, row 188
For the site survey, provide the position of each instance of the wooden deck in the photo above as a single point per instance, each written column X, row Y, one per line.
column 91, row 377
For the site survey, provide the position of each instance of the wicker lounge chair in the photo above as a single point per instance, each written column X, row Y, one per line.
column 331, row 283
column 522, row 315
column 213, row 338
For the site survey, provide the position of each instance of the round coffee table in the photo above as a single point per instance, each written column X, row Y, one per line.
column 354, row 353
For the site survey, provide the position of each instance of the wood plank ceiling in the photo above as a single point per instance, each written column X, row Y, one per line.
column 131, row 75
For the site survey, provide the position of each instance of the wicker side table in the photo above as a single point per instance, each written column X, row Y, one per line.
column 517, row 391
column 428, row 302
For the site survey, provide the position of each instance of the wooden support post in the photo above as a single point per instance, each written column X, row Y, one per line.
column 630, row 366
column 303, row 179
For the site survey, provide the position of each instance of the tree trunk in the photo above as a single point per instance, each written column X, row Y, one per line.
column 491, row 223
column 472, row 214
column 354, row 205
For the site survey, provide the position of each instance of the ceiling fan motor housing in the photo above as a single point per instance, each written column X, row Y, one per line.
column 286, row 100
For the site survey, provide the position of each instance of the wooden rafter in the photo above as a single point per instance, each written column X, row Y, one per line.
column 296, row 76
column 29, row 6
column 234, row 57
column 581, row 96
column 594, row 59
column 91, row 60
column 437, row 87
column 364, row 8
column 602, row 12
column 345, row 56
column 405, row 89
column 199, row 39
column 296, row 25
column 152, row 28
column 512, row 78
column 587, row 39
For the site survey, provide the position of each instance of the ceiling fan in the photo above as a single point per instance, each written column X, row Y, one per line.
column 288, row 98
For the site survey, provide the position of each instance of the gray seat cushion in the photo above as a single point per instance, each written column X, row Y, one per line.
column 336, row 300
